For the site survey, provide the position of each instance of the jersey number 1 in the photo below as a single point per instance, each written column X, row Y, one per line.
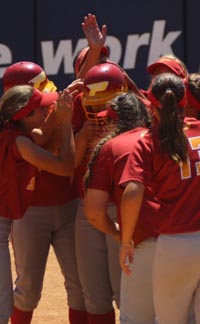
column 186, row 167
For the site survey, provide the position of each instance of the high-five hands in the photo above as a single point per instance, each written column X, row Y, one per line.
column 95, row 36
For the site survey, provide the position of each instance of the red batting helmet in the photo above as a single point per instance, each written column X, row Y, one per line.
column 25, row 72
column 103, row 82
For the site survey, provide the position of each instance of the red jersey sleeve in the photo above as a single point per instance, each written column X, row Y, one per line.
column 102, row 170
column 139, row 164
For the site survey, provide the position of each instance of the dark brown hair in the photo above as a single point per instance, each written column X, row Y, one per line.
column 194, row 85
column 131, row 113
column 169, row 90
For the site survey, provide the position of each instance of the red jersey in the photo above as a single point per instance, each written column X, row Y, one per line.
column 106, row 174
column 51, row 189
column 17, row 181
column 176, row 186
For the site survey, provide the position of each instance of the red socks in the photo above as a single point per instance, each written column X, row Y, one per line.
column 21, row 317
column 77, row 316
column 82, row 317
column 108, row 318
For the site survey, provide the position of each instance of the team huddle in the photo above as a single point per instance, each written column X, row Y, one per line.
column 107, row 174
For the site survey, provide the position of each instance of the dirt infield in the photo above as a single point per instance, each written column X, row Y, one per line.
column 52, row 308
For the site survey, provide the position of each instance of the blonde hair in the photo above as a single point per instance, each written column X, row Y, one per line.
column 12, row 101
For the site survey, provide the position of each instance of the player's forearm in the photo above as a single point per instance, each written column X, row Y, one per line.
column 67, row 148
column 103, row 223
column 92, row 58
column 130, row 208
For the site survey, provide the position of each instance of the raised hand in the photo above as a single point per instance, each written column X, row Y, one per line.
column 75, row 87
column 64, row 108
column 95, row 36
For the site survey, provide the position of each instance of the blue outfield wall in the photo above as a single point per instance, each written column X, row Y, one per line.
column 50, row 34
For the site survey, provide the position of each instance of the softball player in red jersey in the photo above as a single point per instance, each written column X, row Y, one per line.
column 97, row 52
column 167, row 159
column 105, row 169
column 100, row 279
column 18, row 180
column 48, row 222
column 23, row 108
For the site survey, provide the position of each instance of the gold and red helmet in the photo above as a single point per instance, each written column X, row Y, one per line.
column 25, row 72
column 102, row 83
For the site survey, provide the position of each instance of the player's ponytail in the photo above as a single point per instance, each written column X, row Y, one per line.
column 167, row 93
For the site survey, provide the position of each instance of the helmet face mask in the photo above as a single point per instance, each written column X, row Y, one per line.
column 102, row 83
column 46, row 86
column 25, row 72
column 96, row 113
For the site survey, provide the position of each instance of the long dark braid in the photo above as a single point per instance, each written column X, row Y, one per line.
column 130, row 113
